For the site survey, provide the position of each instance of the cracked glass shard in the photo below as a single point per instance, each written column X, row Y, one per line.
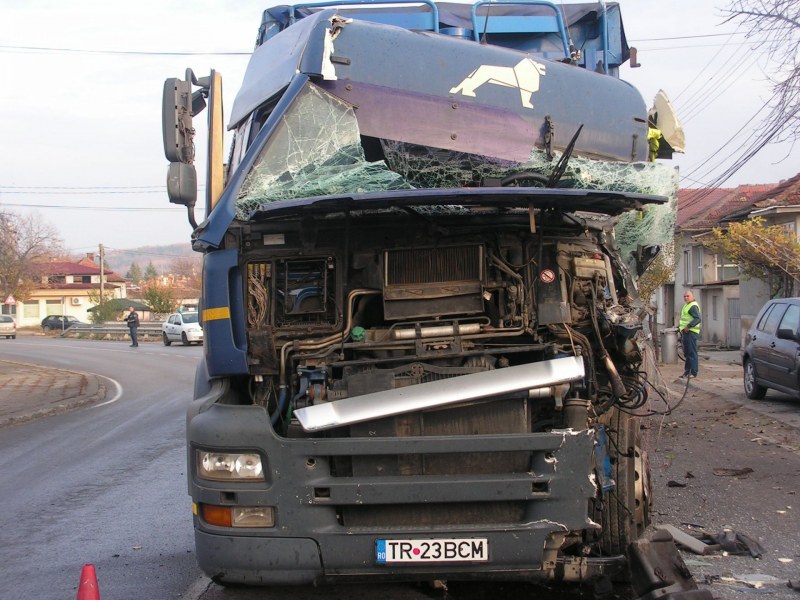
column 315, row 151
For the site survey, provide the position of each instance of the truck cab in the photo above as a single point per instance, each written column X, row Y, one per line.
column 424, row 355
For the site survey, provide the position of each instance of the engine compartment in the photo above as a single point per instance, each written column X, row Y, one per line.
column 359, row 303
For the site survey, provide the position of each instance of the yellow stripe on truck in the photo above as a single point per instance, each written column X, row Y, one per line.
column 214, row 314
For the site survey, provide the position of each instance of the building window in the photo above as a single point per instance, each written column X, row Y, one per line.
column 725, row 269
column 714, row 302
column 687, row 268
column 697, row 258
column 54, row 307
column 31, row 309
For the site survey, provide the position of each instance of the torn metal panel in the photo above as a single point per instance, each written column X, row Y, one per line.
column 265, row 76
column 479, row 130
column 435, row 394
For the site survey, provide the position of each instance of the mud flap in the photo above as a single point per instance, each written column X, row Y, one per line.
column 658, row 571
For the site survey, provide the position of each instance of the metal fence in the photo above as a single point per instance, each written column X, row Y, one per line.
column 112, row 331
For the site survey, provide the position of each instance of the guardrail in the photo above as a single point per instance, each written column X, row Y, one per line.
column 112, row 331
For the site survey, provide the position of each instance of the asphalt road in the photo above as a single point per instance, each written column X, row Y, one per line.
column 103, row 484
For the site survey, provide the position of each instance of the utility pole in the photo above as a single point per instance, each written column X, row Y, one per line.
column 102, row 277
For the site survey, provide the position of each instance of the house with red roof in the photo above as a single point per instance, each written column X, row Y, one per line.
column 64, row 287
column 780, row 205
column 728, row 302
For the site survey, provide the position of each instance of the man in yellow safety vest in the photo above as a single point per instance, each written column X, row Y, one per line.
column 689, row 327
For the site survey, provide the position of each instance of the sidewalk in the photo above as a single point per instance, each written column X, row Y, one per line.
column 720, row 374
column 30, row 391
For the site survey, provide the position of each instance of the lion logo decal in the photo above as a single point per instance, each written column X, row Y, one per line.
column 524, row 76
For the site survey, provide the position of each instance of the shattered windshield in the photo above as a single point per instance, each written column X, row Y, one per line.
column 317, row 150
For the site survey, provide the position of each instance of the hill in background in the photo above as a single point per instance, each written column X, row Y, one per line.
column 162, row 257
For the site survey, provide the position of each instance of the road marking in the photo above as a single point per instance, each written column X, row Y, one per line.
column 116, row 397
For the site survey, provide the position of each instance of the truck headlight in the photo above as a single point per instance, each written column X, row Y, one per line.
column 229, row 466
column 236, row 516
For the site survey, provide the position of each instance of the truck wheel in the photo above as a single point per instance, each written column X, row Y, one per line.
column 166, row 339
column 624, row 513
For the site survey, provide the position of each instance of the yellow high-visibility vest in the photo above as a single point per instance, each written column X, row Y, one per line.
column 686, row 318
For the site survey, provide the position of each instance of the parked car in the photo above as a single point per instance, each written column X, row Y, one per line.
column 771, row 358
column 8, row 327
column 183, row 327
column 59, row 322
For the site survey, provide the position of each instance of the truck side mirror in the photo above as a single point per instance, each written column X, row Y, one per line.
column 644, row 257
column 182, row 183
column 179, row 104
column 176, row 121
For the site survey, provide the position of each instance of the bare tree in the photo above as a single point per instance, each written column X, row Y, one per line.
column 26, row 243
column 774, row 26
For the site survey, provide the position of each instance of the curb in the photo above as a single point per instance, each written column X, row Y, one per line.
column 92, row 391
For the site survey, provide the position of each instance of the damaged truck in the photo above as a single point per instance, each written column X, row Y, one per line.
column 424, row 356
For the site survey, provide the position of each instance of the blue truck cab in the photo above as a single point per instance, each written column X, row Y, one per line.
column 424, row 354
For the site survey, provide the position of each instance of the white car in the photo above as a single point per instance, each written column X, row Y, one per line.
column 182, row 327
column 8, row 327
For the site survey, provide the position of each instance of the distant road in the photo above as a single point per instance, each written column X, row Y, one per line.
column 103, row 485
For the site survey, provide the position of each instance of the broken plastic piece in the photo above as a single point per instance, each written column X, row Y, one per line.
column 440, row 393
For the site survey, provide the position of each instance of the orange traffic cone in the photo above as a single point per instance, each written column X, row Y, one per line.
column 87, row 589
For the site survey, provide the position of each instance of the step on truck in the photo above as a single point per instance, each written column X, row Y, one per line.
column 424, row 355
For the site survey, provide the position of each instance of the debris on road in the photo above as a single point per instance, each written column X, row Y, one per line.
column 687, row 541
column 735, row 543
column 723, row 472
column 658, row 571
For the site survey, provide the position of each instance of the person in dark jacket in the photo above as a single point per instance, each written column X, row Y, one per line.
column 690, row 332
column 133, row 326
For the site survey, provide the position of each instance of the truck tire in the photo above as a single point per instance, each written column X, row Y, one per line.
column 624, row 513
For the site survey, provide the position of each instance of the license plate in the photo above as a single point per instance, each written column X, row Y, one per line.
column 436, row 550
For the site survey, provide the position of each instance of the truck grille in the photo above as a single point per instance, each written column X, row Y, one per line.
column 434, row 265
column 433, row 282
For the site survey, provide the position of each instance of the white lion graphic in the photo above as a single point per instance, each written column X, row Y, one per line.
column 524, row 76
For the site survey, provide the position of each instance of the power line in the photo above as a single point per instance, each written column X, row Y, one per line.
column 100, row 208
column 706, row 66
column 683, row 37
column 121, row 52
column 81, row 187
column 75, row 192
column 746, row 42
column 83, row 190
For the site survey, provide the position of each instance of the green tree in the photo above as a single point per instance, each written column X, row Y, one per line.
column 769, row 253
column 135, row 273
column 660, row 272
column 159, row 297
column 150, row 272
column 103, row 311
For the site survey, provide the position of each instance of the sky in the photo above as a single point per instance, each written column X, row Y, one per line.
column 80, row 102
